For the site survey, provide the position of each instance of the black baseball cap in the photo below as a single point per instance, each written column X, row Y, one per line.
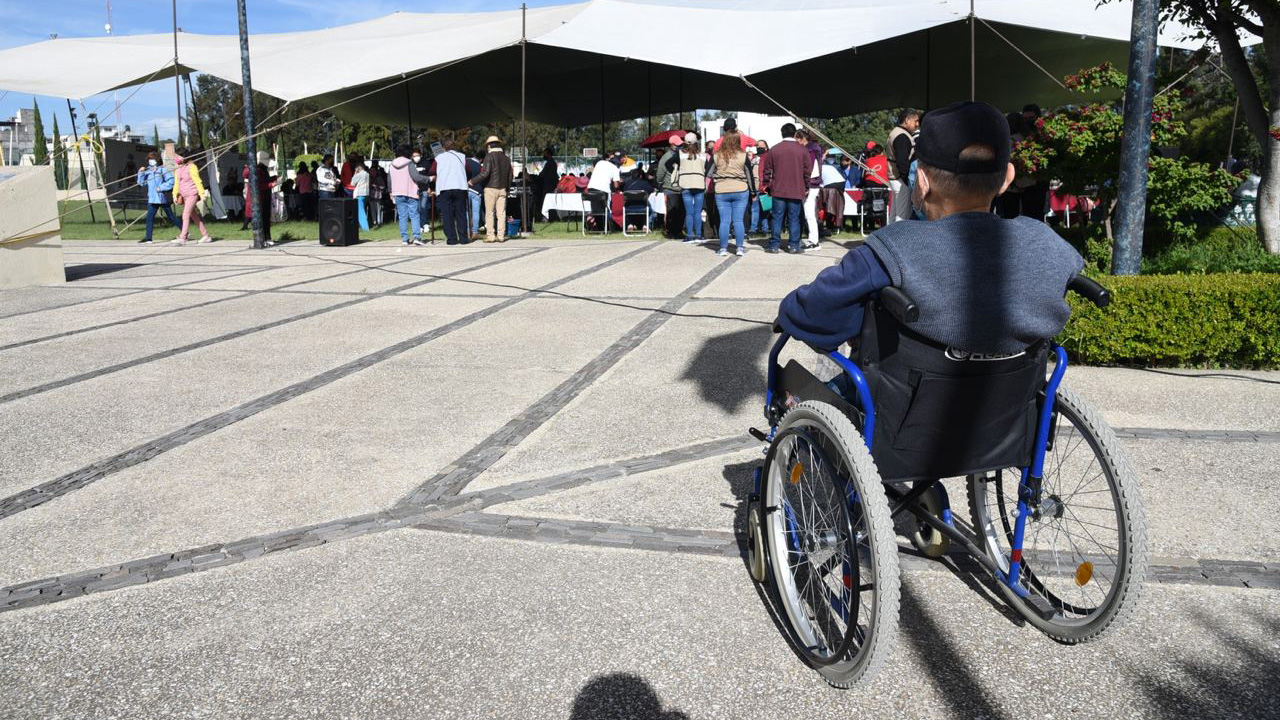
column 946, row 132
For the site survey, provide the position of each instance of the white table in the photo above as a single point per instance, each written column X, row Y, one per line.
column 563, row 202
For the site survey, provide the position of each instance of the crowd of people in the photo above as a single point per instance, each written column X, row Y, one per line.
column 727, row 189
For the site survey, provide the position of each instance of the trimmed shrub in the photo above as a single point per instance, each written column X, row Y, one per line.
column 1226, row 320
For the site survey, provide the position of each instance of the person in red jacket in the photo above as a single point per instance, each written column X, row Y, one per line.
column 786, row 172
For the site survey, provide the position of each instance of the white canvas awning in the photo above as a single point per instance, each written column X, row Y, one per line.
column 610, row 59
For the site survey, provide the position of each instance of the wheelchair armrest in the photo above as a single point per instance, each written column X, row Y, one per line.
column 1090, row 290
column 900, row 305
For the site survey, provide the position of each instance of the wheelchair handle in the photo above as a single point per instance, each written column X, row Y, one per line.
column 900, row 305
column 1090, row 290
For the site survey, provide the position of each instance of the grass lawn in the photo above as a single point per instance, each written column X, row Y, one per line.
column 78, row 223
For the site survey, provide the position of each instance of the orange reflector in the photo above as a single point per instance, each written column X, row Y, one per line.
column 796, row 471
column 1084, row 573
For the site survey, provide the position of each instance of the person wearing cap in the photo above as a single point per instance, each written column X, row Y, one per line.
column 786, row 173
column 667, row 181
column 495, row 177
column 982, row 283
column 900, row 152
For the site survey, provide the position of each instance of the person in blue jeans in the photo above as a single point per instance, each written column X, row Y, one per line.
column 473, row 196
column 734, row 183
column 406, row 185
column 159, row 182
column 693, row 200
column 790, row 212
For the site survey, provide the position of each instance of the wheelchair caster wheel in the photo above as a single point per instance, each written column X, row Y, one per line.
column 928, row 540
column 755, row 541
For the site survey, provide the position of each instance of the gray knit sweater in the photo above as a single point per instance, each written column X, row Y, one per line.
column 982, row 283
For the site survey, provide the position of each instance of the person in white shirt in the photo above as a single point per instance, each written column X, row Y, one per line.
column 605, row 178
column 449, row 169
column 360, row 191
column 326, row 178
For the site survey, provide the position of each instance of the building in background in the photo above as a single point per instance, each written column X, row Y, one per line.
column 18, row 137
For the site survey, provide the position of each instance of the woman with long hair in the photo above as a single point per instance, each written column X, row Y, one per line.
column 734, row 185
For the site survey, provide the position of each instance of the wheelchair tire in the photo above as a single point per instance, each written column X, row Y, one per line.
column 830, row 545
column 1091, row 527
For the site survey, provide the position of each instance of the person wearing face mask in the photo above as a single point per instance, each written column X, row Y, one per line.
column 188, row 189
column 159, row 183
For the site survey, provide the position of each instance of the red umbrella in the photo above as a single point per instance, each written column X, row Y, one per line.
column 660, row 139
column 747, row 141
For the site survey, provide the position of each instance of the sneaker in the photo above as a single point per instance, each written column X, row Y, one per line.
column 405, row 242
column 741, row 251
column 795, row 250
column 418, row 241
column 144, row 241
column 772, row 251
column 269, row 243
column 722, row 252
column 178, row 241
column 207, row 239
column 693, row 241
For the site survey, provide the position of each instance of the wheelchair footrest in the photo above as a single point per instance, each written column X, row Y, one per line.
column 1041, row 607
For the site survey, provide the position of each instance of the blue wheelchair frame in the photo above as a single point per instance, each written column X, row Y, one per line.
column 1028, row 487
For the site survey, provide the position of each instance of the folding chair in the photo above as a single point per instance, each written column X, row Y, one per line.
column 596, row 199
column 635, row 202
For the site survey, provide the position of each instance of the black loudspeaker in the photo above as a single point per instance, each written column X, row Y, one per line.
column 338, row 223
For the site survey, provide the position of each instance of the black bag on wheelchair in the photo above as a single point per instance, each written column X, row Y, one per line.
column 945, row 412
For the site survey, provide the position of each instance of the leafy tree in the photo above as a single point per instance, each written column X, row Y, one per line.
column 41, row 151
column 853, row 132
column 155, row 137
column 59, row 158
column 1080, row 146
column 1259, row 94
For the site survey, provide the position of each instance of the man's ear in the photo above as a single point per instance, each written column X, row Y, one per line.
column 922, row 182
column 1008, row 179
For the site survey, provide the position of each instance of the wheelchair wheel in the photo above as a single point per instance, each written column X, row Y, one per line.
column 830, row 545
column 1085, row 546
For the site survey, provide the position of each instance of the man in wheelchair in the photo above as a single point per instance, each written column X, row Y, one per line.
column 989, row 293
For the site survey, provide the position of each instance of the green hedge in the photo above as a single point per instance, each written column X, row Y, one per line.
column 1225, row 320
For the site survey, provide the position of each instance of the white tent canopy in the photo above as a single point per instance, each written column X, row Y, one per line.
column 823, row 58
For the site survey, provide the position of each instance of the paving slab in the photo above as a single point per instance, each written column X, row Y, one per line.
column 70, row 427
column 356, row 446
column 110, row 309
column 38, row 298
column 420, row 624
column 530, row 272
column 1245, row 400
column 761, row 275
column 695, row 379
column 662, row 272
column 32, row 365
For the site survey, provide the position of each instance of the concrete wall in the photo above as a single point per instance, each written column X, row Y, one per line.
column 30, row 231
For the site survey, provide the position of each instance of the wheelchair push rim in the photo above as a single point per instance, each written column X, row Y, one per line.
column 826, row 528
column 1085, row 545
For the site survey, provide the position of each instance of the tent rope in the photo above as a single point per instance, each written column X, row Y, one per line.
column 1039, row 67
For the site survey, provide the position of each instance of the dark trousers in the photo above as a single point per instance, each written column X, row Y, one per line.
column 453, row 213
column 713, row 214
column 788, row 211
column 673, row 225
column 168, row 213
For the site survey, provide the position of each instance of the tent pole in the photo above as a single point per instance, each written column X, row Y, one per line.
column 84, row 181
column 408, row 111
column 602, row 148
column 973, row 56
column 928, row 70
column 524, row 127
column 251, row 143
column 177, row 80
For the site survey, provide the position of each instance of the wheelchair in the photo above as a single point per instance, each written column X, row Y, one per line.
column 1054, row 512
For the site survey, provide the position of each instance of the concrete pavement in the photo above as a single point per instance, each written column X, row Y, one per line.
column 503, row 481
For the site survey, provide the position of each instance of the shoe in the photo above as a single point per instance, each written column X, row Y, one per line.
column 178, row 241
column 418, row 241
column 796, row 251
column 144, row 241
column 405, row 242
column 741, row 251
column 722, row 252
column 771, row 251
column 268, row 243
column 207, row 239
column 693, row 241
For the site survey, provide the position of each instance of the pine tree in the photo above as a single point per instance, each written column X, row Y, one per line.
column 41, row 150
column 155, row 137
column 59, row 158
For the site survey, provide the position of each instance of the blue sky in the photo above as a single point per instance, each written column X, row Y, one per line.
column 27, row 21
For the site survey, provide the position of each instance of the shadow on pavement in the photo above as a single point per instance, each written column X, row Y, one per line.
column 1201, row 684
column 727, row 368
column 88, row 270
column 620, row 696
